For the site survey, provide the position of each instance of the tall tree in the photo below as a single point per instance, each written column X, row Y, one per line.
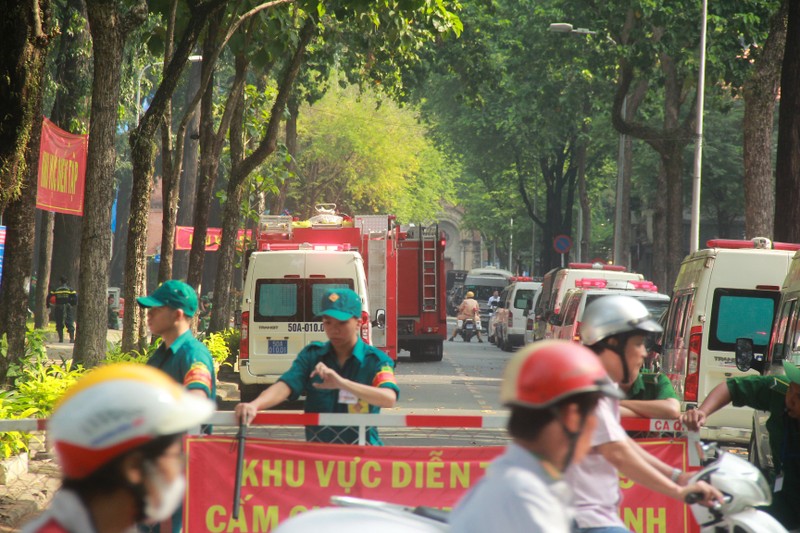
column 24, row 40
column 787, row 179
column 110, row 24
column 142, row 157
column 69, row 112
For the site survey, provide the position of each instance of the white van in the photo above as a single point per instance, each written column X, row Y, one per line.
column 727, row 292
column 281, row 308
column 784, row 344
column 516, row 298
column 558, row 281
column 589, row 290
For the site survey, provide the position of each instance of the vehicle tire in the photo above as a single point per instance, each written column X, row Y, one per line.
column 435, row 351
column 466, row 336
column 506, row 345
column 248, row 393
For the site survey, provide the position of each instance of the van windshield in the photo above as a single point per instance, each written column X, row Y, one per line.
column 482, row 292
column 293, row 299
column 740, row 313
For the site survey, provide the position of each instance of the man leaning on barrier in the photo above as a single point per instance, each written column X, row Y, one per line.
column 780, row 396
column 552, row 388
column 343, row 375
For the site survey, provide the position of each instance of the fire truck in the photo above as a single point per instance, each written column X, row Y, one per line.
column 294, row 263
column 421, row 298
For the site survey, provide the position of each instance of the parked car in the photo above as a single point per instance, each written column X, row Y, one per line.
column 516, row 299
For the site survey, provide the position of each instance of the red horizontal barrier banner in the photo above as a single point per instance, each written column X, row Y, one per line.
column 184, row 234
column 281, row 479
column 62, row 170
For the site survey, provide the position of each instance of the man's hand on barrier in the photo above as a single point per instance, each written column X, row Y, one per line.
column 330, row 379
column 693, row 419
column 245, row 413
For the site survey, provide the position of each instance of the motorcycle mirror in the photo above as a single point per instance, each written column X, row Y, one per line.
column 380, row 318
column 744, row 354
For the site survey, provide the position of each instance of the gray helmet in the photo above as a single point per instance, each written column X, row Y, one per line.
column 614, row 315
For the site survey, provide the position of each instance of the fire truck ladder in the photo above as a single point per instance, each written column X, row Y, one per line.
column 430, row 283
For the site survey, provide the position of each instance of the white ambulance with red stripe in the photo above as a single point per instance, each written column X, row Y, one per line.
column 726, row 292
column 295, row 263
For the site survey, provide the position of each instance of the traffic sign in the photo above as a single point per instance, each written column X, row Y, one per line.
column 562, row 244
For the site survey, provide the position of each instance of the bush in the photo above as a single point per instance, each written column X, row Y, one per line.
column 218, row 347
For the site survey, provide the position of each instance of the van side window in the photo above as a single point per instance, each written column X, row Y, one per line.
column 277, row 300
column 571, row 309
column 783, row 338
column 744, row 313
column 674, row 350
column 793, row 335
column 523, row 298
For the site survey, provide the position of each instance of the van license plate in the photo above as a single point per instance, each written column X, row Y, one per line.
column 278, row 347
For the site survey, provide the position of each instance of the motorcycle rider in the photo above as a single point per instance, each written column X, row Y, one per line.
column 615, row 328
column 469, row 309
column 552, row 388
column 780, row 395
column 118, row 436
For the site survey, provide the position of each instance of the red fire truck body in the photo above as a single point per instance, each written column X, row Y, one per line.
column 422, row 313
column 375, row 238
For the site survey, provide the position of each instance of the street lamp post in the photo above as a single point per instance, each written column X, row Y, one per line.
column 694, row 231
column 192, row 59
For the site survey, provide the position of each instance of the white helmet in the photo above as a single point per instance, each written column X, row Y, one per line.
column 117, row 408
column 614, row 315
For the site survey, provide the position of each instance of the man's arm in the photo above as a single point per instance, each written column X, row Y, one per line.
column 624, row 456
column 718, row 398
column 272, row 396
column 378, row 396
column 666, row 408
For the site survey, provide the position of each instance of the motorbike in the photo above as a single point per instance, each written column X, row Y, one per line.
column 744, row 488
column 741, row 483
column 467, row 329
column 358, row 515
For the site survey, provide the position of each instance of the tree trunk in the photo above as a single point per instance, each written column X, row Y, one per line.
column 109, row 30
column 210, row 149
column 40, row 313
column 180, row 265
column 279, row 203
column 142, row 157
column 170, row 169
column 221, row 304
column 787, row 179
column 760, row 93
column 69, row 113
column 660, row 232
column 25, row 38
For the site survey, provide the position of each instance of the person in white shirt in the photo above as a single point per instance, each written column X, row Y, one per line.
column 552, row 388
column 615, row 328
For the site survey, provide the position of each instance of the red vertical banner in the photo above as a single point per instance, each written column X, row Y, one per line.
column 62, row 170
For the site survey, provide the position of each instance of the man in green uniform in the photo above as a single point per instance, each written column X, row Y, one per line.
column 780, row 395
column 343, row 375
column 169, row 312
column 651, row 395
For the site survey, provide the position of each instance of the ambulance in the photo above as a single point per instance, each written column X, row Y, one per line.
column 727, row 292
column 295, row 263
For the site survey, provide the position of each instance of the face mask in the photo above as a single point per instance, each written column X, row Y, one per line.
column 169, row 495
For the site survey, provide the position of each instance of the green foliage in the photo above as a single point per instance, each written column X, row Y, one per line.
column 13, row 442
column 369, row 155
column 116, row 355
column 217, row 345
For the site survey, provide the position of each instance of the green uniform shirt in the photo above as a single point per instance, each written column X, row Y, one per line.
column 367, row 365
column 768, row 393
column 188, row 362
column 649, row 386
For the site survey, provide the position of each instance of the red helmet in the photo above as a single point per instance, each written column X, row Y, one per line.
column 545, row 372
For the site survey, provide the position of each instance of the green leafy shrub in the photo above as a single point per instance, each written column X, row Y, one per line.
column 218, row 346
column 116, row 355
column 40, row 388
column 13, row 442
